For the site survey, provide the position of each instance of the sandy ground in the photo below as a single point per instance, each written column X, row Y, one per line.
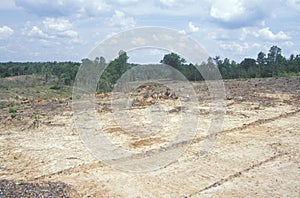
column 256, row 154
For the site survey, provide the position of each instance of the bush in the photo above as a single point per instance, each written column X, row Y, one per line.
column 55, row 87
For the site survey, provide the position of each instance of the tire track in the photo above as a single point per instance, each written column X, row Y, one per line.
column 176, row 145
column 81, row 167
column 238, row 174
column 253, row 124
column 173, row 146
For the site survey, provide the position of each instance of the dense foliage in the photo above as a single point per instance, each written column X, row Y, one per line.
column 272, row 64
column 265, row 65
column 64, row 71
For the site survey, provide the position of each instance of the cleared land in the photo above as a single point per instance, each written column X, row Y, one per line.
column 257, row 153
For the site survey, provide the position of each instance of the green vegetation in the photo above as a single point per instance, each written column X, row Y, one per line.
column 36, row 117
column 65, row 72
column 59, row 76
column 13, row 115
column 12, row 110
column 271, row 65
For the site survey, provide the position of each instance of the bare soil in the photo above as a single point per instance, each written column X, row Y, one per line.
column 256, row 154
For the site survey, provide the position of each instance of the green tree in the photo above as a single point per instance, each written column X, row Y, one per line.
column 274, row 60
column 248, row 68
column 112, row 72
column 261, row 62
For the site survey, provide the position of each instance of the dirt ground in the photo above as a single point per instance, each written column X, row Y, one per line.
column 256, row 154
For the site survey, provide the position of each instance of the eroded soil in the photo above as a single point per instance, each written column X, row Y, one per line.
column 256, row 154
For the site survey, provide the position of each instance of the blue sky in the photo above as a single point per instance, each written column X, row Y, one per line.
column 48, row 30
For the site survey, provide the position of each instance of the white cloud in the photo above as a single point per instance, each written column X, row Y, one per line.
column 168, row 2
column 239, row 13
column 127, row 1
column 59, row 27
column 110, row 35
column 182, row 31
column 119, row 19
column 244, row 34
column 221, row 34
column 58, row 24
column 266, row 33
column 69, row 33
column 192, row 27
column 138, row 41
column 57, row 8
column 157, row 52
column 52, row 29
column 288, row 43
column 234, row 46
column 37, row 32
column 93, row 8
column 5, row 32
column 227, row 10
column 294, row 4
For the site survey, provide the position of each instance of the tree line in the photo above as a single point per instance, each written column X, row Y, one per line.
column 270, row 64
column 64, row 71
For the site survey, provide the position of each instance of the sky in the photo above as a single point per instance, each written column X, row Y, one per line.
column 67, row 30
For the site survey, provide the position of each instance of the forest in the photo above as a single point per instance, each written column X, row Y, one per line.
column 270, row 64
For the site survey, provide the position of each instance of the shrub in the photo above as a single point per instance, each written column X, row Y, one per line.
column 55, row 87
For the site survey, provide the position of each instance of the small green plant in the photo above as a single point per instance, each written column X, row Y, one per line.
column 12, row 110
column 36, row 117
column 60, row 101
column 36, row 122
column 13, row 115
column 11, row 104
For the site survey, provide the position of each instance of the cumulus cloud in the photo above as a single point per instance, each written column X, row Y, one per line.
column 182, row 31
column 60, row 27
column 37, row 32
column 119, row 19
column 56, row 8
column 192, row 27
column 58, row 24
column 266, row 33
column 51, row 29
column 94, row 8
column 234, row 46
column 227, row 11
column 237, row 13
column 5, row 32
column 69, row 33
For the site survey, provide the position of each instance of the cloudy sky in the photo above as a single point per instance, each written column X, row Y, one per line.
column 48, row 30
